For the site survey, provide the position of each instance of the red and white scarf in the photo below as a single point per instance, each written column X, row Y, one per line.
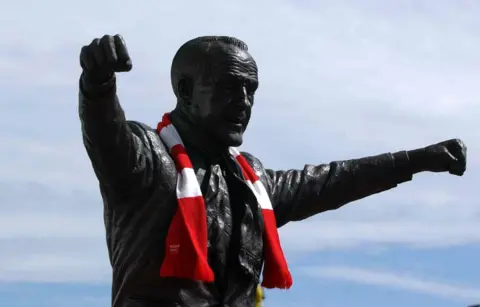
column 187, row 238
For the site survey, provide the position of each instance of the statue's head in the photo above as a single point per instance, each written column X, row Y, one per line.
column 215, row 79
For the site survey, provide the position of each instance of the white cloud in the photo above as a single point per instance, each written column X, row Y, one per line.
column 345, row 234
column 395, row 281
column 57, row 259
column 56, row 268
column 61, row 165
column 359, row 78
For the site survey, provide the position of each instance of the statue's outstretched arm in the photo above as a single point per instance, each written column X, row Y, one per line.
column 298, row 194
column 118, row 150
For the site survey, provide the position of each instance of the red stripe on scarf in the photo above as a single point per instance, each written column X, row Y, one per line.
column 180, row 157
column 187, row 241
column 247, row 170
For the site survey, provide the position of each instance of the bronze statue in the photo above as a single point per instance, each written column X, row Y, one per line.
column 190, row 221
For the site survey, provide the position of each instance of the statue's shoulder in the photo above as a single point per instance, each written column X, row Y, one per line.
column 148, row 135
column 139, row 127
column 258, row 168
column 254, row 162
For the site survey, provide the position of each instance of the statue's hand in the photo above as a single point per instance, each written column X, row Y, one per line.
column 446, row 156
column 104, row 56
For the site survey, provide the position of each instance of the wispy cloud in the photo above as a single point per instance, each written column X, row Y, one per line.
column 395, row 281
column 344, row 234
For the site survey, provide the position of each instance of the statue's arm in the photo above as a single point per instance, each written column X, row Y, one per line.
column 119, row 151
column 298, row 194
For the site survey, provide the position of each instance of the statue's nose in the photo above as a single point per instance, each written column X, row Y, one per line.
column 242, row 99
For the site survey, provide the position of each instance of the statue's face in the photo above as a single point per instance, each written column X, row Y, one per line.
column 224, row 95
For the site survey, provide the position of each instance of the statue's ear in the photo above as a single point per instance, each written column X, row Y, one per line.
column 185, row 89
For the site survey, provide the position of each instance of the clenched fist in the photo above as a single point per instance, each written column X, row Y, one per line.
column 103, row 57
column 447, row 156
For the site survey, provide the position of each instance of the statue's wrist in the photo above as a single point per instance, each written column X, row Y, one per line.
column 97, row 86
column 401, row 162
column 417, row 160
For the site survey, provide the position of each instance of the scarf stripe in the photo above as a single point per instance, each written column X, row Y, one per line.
column 275, row 271
column 187, row 238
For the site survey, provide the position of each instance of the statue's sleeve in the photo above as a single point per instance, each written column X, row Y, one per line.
column 119, row 150
column 299, row 194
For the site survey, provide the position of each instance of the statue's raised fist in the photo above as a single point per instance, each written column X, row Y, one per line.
column 104, row 56
column 447, row 156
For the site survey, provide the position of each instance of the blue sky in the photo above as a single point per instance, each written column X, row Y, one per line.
column 355, row 78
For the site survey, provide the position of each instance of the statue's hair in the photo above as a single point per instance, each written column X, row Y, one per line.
column 192, row 56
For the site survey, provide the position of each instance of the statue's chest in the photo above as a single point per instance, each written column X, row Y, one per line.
column 217, row 196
